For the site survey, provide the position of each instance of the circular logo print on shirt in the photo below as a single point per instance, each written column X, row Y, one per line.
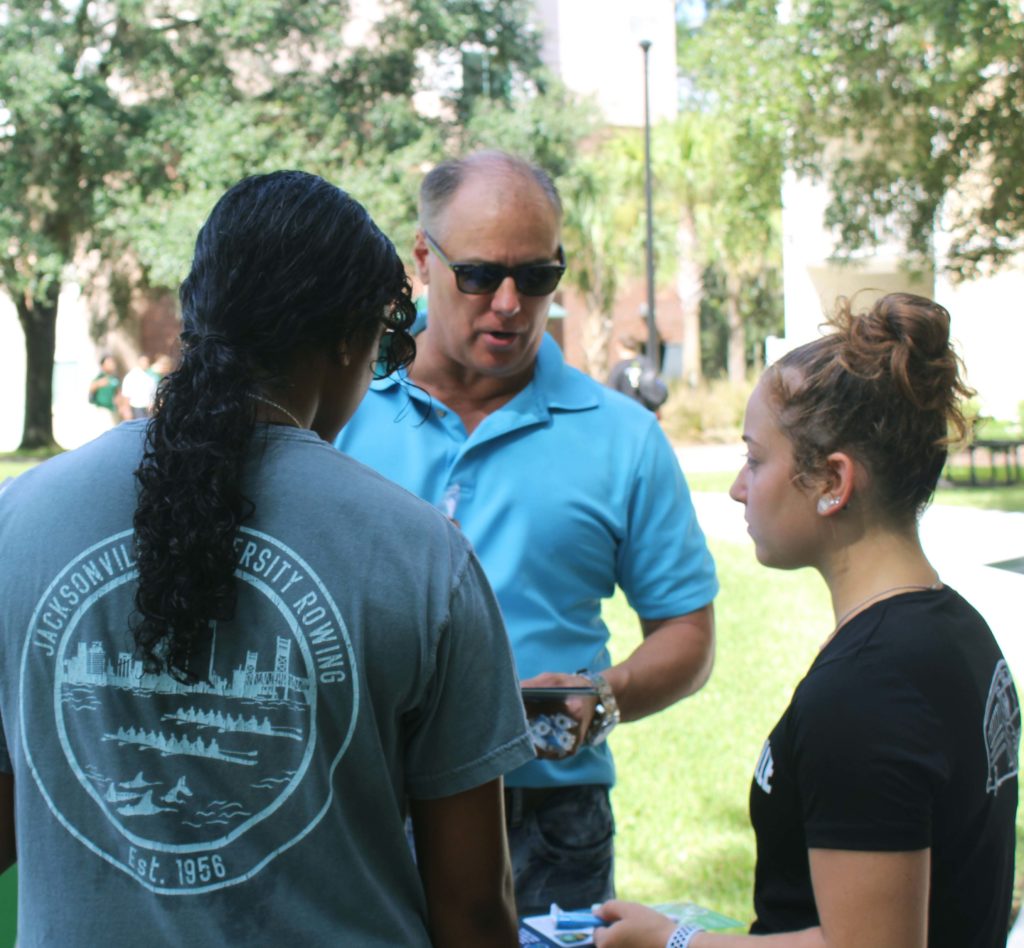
column 188, row 787
column 1002, row 728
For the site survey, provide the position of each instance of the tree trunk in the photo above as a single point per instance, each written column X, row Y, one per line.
column 38, row 318
column 757, row 360
column 736, row 354
column 596, row 340
column 690, row 289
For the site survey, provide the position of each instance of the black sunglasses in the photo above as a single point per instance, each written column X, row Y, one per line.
column 476, row 279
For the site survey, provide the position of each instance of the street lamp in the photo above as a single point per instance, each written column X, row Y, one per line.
column 652, row 326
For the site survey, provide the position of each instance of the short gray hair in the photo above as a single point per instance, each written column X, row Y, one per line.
column 442, row 181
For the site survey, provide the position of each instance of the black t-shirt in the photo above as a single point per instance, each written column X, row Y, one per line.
column 903, row 735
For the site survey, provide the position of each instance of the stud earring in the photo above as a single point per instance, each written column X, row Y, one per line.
column 825, row 504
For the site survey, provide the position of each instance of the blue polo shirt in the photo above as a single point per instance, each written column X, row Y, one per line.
column 566, row 491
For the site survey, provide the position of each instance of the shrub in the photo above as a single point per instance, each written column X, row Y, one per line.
column 709, row 412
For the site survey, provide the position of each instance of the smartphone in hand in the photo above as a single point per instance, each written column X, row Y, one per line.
column 554, row 728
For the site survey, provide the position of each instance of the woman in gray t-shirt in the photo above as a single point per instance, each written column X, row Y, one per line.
column 233, row 661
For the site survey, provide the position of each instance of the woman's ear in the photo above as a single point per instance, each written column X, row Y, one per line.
column 837, row 485
column 343, row 357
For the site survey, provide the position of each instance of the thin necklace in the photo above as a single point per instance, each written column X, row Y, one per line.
column 280, row 408
column 878, row 595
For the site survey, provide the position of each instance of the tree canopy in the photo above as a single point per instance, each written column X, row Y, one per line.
column 121, row 122
column 910, row 108
column 927, row 99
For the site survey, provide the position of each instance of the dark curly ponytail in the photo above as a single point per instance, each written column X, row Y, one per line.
column 885, row 385
column 285, row 261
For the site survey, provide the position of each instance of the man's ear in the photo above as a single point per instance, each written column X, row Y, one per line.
column 419, row 256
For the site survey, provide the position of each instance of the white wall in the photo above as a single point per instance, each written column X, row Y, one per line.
column 987, row 314
column 812, row 282
column 594, row 46
column 12, row 375
column 988, row 326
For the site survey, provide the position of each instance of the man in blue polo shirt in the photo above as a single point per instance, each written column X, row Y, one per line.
column 565, row 488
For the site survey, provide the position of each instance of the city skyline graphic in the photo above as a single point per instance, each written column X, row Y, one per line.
column 250, row 712
column 188, row 786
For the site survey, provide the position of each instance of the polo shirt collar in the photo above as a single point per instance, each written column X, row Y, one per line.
column 558, row 385
column 554, row 384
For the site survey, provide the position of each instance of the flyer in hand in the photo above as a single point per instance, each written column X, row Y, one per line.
column 557, row 928
column 693, row 914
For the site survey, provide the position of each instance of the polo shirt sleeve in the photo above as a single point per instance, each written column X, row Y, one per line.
column 869, row 761
column 663, row 563
column 470, row 726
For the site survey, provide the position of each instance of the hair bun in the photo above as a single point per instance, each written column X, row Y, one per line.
column 915, row 321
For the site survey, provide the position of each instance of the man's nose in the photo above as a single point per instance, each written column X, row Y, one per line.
column 506, row 298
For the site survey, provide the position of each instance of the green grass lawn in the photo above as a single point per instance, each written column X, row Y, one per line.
column 684, row 775
column 11, row 465
column 1006, row 497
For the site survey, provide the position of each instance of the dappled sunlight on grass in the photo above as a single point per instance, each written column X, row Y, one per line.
column 684, row 774
column 13, row 468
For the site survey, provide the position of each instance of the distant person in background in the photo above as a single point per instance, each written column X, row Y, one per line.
column 138, row 390
column 637, row 376
column 162, row 365
column 884, row 800
column 105, row 387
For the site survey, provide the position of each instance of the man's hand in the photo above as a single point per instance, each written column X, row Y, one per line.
column 552, row 739
column 673, row 661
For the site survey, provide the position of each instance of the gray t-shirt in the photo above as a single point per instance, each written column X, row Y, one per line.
column 366, row 664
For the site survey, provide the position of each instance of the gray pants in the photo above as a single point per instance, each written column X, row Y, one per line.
column 561, row 845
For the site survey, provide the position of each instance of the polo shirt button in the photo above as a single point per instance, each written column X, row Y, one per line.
column 441, row 413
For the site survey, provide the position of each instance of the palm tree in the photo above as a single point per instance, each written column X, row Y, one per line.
column 595, row 228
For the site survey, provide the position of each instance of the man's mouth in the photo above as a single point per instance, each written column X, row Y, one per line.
column 500, row 336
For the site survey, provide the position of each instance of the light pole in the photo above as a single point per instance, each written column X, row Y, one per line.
column 652, row 326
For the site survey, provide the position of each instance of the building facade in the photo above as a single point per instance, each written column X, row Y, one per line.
column 987, row 314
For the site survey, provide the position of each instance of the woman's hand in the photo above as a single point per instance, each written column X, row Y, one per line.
column 632, row 926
